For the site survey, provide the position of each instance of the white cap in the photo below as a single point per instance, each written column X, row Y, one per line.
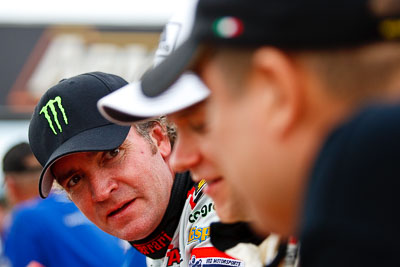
column 129, row 104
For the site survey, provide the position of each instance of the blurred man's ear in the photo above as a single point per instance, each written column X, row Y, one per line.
column 11, row 188
column 8, row 181
column 279, row 85
column 160, row 138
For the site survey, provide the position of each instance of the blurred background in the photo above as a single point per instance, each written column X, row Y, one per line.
column 44, row 41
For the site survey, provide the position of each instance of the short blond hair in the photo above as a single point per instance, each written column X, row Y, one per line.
column 356, row 73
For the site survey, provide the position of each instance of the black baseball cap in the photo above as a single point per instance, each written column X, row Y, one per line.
column 16, row 160
column 287, row 24
column 66, row 120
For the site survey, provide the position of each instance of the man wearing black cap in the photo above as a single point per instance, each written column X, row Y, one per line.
column 283, row 75
column 120, row 176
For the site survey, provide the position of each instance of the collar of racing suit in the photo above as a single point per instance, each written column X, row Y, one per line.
column 227, row 235
column 156, row 244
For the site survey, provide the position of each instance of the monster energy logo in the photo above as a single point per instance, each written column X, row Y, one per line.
column 45, row 111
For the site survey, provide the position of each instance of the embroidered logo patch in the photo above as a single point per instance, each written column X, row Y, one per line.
column 51, row 107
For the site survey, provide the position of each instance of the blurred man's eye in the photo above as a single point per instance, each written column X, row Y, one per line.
column 198, row 127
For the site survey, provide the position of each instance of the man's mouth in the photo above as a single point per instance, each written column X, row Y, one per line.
column 215, row 180
column 120, row 209
column 212, row 186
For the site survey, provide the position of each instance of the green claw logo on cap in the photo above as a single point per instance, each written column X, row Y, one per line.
column 45, row 111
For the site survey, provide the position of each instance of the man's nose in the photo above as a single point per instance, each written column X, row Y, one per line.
column 102, row 186
column 185, row 155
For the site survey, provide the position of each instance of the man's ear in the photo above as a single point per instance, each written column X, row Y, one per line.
column 11, row 186
column 277, row 77
column 160, row 139
column 8, row 180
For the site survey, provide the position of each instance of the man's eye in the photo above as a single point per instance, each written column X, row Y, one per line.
column 198, row 127
column 112, row 153
column 73, row 181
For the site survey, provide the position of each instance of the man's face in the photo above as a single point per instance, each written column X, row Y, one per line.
column 248, row 150
column 191, row 152
column 124, row 191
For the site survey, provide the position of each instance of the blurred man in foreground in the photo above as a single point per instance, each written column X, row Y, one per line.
column 283, row 75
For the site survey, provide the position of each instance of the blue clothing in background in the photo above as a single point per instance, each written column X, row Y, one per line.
column 134, row 258
column 54, row 232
